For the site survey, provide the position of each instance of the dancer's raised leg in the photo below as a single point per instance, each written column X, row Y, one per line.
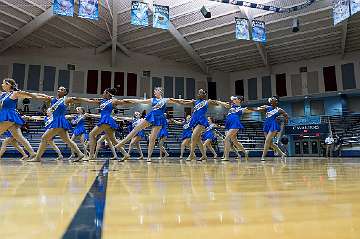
column 18, row 136
column 92, row 139
column 152, row 138
column 268, row 141
column 45, row 139
column 142, row 125
column 196, row 141
column 64, row 135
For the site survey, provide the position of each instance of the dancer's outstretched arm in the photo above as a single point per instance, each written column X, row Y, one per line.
column 259, row 109
column 42, row 97
column 181, row 101
column 119, row 102
column 78, row 100
column 137, row 101
column 213, row 102
column 85, row 100
column 223, row 104
column 24, row 94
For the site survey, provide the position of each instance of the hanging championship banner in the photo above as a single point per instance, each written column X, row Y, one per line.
column 242, row 28
column 341, row 10
column 89, row 9
column 139, row 14
column 161, row 17
column 354, row 6
column 301, row 6
column 258, row 31
column 63, row 7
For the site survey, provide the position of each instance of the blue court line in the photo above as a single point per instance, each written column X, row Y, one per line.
column 88, row 220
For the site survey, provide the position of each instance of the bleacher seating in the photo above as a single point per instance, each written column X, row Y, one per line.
column 347, row 127
column 252, row 139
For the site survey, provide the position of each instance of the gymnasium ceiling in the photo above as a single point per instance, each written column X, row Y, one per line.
column 209, row 43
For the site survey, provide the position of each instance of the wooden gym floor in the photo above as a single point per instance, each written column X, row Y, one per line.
column 302, row 198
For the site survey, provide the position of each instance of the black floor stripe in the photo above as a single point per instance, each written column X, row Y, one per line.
column 88, row 220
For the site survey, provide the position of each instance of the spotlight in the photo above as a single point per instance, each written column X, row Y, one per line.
column 295, row 25
column 205, row 12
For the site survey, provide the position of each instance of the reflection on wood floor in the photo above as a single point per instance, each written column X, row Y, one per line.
column 39, row 200
column 303, row 198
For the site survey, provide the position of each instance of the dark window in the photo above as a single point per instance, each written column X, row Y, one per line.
column 131, row 84
column 252, row 89
column 179, row 87
column 19, row 74
column 64, row 78
column 49, row 78
column 92, row 82
column 212, row 90
column 119, row 83
column 168, row 87
column 266, row 86
column 190, row 88
column 33, row 77
column 239, row 87
column 105, row 80
column 281, row 85
column 330, row 78
column 348, row 76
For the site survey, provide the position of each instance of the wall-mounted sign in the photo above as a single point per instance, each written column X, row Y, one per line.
column 307, row 129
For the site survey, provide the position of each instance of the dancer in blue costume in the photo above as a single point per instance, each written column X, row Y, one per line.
column 135, row 141
column 57, row 124
column 209, row 137
column 104, row 139
column 107, row 123
column 10, row 140
column 162, row 136
column 198, row 122
column 233, row 125
column 271, row 125
column 186, row 134
column 154, row 119
column 10, row 119
column 79, row 132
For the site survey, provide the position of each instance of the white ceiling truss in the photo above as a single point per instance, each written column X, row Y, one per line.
column 191, row 39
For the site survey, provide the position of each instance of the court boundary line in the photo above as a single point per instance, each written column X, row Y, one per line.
column 88, row 220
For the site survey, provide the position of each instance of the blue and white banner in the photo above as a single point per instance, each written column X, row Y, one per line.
column 267, row 7
column 242, row 29
column 341, row 10
column 63, row 7
column 161, row 17
column 89, row 9
column 139, row 14
column 354, row 6
column 258, row 31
